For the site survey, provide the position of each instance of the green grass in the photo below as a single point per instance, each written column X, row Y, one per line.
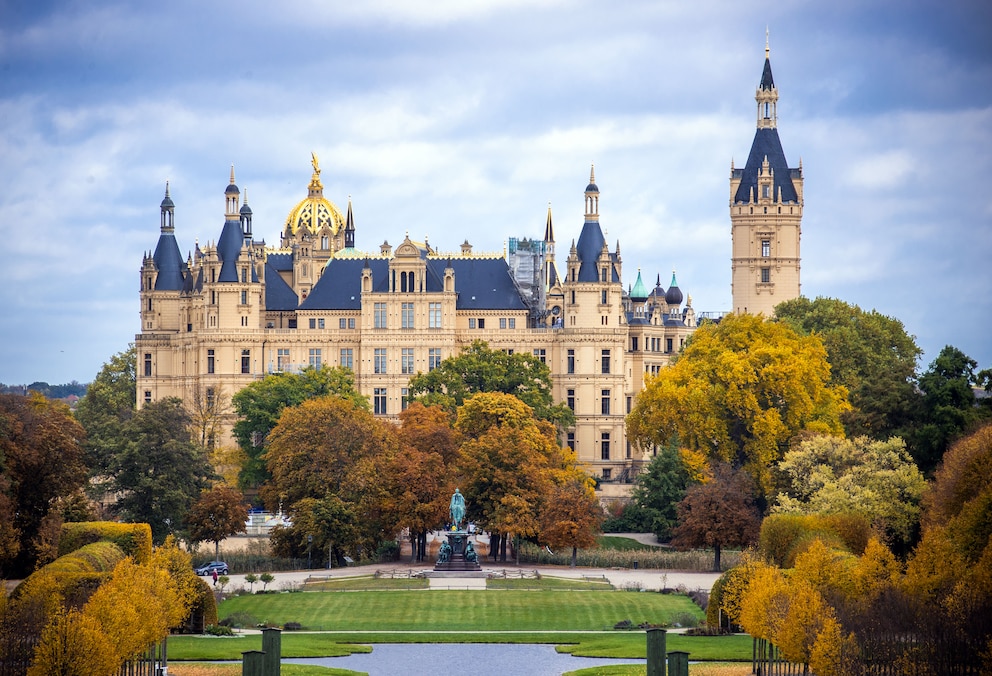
column 622, row 543
column 368, row 583
column 293, row 645
column 461, row 610
column 547, row 583
column 709, row 669
column 180, row 669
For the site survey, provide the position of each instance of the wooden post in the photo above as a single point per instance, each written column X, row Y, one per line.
column 272, row 647
column 656, row 652
column 252, row 663
column 678, row 663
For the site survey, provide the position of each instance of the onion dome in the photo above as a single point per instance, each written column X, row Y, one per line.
column 639, row 293
column 315, row 211
column 674, row 294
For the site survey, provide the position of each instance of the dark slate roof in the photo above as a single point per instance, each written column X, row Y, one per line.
column 482, row 283
column 279, row 296
column 228, row 248
column 589, row 246
column 170, row 264
column 281, row 261
column 766, row 144
column 766, row 76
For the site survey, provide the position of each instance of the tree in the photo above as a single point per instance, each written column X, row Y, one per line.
column 73, row 644
column 260, row 404
column 509, row 464
column 659, row 489
column 41, row 462
column 207, row 410
column 948, row 406
column 332, row 448
column 218, row 514
column 109, row 403
column 481, row 369
column 159, row 473
column 571, row 517
column 718, row 513
column 739, row 392
column 828, row 475
column 328, row 524
column 870, row 354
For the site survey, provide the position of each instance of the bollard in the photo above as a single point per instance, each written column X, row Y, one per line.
column 252, row 663
column 678, row 663
column 272, row 647
column 656, row 652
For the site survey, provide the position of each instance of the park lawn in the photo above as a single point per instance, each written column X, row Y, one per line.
column 634, row 644
column 705, row 669
column 622, row 543
column 368, row 583
column 230, row 648
column 461, row 610
column 180, row 669
column 549, row 583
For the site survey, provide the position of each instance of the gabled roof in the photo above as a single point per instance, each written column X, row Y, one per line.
column 279, row 296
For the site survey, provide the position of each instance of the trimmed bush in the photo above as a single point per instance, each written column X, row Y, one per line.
column 75, row 575
column 135, row 539
column 786, row 536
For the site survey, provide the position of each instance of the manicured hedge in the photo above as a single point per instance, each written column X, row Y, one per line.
column 135, row 539
column 75, row 575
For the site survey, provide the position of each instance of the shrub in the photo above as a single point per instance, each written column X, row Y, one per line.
column 218, row 630
column 388, row 551
column 786, row 536
column 685, row 620
column 292, row 626
column 239, row 619
column 135, row 539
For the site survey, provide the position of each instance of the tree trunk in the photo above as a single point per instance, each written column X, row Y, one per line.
column 575, row 555
column 216, row 550
column 716, row 559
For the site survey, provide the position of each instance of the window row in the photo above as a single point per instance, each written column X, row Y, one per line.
column 654, row 344
column 480, row 322
column 380, row 316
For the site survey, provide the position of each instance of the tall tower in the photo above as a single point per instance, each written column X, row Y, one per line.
column 766, row 210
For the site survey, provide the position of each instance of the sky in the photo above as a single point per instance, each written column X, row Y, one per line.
column 465, row 119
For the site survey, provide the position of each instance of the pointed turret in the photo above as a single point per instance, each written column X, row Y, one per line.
column 167, row 258
column 591, row 240
column 674, row 294
column 231, row 237
column 639, row 293
column 349, row 228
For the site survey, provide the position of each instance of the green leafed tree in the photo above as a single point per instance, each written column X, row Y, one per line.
column 159, row 473
column 871, row 355
column 739, row 392
column 259, row 405
column 478, row 368
column 660, row 488
column 108, row 405
column 829, row 475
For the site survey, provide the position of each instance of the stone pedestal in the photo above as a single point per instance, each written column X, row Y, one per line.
column 454, row 557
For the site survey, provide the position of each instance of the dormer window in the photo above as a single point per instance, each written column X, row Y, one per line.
column 766, row 191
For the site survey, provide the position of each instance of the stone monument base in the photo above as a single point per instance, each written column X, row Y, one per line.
column 459, row 556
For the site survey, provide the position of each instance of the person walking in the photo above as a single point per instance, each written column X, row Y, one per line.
column 215, row 577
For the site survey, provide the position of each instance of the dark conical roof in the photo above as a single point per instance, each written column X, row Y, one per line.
column 228, row 249
column 766, row 144
column 170, row 264
column 767, row 82
column 588, row 248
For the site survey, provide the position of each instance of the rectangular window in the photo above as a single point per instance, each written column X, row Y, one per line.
column 766, row 248
column 482, row 323
column 630, row 402
column 602, row 297
column 315, row 360
column 766, row 275
column 379, row 319
column 605, row 403
column 244, row 275
column 148, row 364
column 434, row 316
column 633, row 343
column 513, row 322
column 351, row 322
column 244, row 297
column 605, row 361
column 379, row 400
column 668, row 345
column 342, row 323
column 404, row 398
column 571, row 361
column 607, row 474
column 210, row 361
column 380, row 360
column 471, row 322
column 571, row 400
column 570, row 440
column 313, row 323
column 604, row 446
column 407, row 316
column 347, row 358
column 246, row 361
column 320, row 323
column 502, row 322
column 406, row 361
column 433, row 358
column 210, row 398
column 282, row 358
column 148, row 396
column 541, row 354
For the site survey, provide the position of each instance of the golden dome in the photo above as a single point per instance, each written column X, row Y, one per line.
column 315, row 211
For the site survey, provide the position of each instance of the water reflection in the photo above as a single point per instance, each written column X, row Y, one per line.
column 477, row 659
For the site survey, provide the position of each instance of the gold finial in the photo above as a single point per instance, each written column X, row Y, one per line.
column 315, row 162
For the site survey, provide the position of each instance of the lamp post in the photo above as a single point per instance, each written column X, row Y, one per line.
column 309, row 552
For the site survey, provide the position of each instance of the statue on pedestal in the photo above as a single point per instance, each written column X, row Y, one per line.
column 457, row 509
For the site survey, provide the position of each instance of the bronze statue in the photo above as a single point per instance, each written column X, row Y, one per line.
column 457, row 509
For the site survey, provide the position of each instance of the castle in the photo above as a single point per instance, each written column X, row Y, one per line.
column 235, row 310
